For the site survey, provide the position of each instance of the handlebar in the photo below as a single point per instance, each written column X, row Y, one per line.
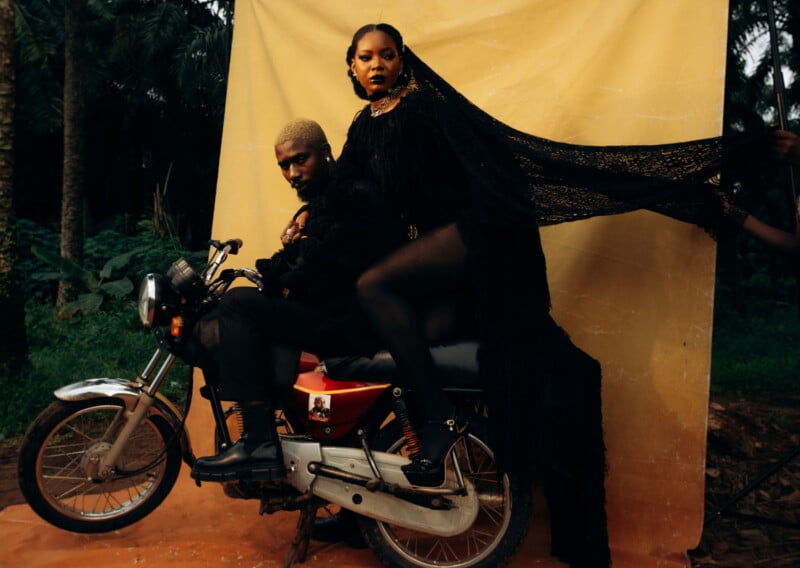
column 233, row 245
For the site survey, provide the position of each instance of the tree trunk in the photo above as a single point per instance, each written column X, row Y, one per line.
column 13, row 341
column 74, row 112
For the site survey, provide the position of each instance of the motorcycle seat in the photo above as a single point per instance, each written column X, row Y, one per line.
column 458, row 363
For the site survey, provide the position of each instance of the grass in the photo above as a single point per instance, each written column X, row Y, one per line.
column 756, row 351
column 106, row 343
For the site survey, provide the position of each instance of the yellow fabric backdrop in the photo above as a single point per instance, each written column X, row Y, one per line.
column 635, row 291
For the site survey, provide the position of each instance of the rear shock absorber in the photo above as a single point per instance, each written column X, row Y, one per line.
column 401, row 412
column 236, row 425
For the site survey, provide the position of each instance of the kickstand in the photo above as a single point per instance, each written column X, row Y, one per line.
column 297, row 554
column 750, row 487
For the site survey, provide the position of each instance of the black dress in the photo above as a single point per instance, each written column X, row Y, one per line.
column 436, row 158
column 544, row 391
column 414, row 168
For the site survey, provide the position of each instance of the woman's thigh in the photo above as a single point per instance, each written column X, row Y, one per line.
column 434, row 263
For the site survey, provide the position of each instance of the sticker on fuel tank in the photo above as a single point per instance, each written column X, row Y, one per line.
column 319, row 407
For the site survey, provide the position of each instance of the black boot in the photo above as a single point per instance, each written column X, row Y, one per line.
column 257, row 456
column 427, row 465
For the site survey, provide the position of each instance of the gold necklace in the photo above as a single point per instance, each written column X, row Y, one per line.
column 385, row 102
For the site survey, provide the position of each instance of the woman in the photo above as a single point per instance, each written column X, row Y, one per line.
column 469, row 193
column 455, row 227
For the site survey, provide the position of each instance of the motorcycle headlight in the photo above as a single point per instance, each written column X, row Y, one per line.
column 149, row 297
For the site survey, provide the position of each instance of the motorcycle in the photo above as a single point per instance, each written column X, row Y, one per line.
column 108, row 451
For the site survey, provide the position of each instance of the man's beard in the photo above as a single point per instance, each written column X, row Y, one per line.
column 312, row 189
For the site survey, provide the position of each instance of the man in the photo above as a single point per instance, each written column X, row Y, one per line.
column 308, row 292
column 305, row 159
column 238, row 366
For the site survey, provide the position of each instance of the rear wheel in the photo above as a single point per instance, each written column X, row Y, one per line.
column 500, row 528
column 64, row 445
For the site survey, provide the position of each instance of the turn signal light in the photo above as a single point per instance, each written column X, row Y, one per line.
column 176, row 326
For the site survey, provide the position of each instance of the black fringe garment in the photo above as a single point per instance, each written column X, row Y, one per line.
column 436, row 158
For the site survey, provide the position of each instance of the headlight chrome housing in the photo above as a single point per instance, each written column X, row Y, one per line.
column 149, row 298
column 162, row 297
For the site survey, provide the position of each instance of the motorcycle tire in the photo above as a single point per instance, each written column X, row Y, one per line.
column 62, row 445
column 501, row 526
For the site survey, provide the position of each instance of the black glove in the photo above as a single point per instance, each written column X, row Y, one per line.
column 271, row 270
column 264, row 266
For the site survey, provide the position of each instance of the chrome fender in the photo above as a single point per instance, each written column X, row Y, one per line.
column 129, row 393
column 374, row 504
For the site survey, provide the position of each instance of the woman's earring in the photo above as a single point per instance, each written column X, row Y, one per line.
column 353, row 73
column 328, row 159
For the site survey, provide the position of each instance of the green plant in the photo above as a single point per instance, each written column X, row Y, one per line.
column 114, row 259
column 105, row 343
column 754, row 350
column 99, row 286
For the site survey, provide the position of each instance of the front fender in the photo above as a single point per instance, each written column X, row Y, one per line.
column 129, row 393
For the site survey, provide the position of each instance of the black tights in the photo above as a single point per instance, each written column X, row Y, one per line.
column 415, row 297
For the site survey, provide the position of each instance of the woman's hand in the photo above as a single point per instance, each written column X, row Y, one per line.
column 294, row 230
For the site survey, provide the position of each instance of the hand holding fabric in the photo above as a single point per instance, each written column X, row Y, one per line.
column 786, row 146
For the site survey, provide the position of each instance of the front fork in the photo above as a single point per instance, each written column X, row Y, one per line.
column 161, row 360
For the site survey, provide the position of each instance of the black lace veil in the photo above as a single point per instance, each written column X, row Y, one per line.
column 568, row 182
column 519, row 182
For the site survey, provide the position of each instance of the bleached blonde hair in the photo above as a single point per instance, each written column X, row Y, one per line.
column 304, row 129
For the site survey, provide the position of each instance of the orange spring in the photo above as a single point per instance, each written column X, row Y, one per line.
column 412, row 439
column 238, row 421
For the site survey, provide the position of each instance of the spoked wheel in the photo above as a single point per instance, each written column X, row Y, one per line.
column 61, row 451
column 492, row 539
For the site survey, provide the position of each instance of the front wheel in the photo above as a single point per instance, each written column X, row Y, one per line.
column 64, row 444
column 491, row 541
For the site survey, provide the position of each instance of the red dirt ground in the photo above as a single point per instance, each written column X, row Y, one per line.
column 745, row 436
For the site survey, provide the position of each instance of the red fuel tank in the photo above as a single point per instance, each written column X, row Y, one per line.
column 332, row 408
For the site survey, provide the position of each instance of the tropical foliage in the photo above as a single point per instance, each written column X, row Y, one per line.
column 155, row 80
column 155, row 77
column 756, row 316
column 13, row 342
column 750, row 100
